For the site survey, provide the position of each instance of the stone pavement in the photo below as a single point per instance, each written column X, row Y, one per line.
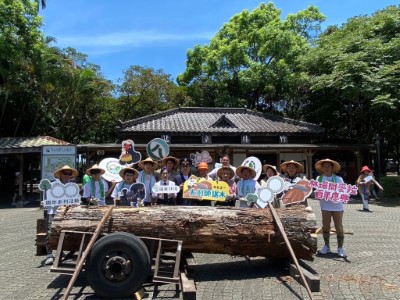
column 372, row 270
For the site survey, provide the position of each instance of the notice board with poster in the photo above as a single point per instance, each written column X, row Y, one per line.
column 55, row 157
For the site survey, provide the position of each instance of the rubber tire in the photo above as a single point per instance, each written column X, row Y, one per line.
column 131, row 246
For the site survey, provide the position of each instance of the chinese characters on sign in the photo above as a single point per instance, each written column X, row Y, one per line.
column 331, row 191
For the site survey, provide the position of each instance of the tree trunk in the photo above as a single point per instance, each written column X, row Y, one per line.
column 219, row 230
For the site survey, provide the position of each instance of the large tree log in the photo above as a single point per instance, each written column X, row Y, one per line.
column 219, row 230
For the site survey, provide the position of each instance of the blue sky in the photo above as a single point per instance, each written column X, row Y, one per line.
column 154, row 33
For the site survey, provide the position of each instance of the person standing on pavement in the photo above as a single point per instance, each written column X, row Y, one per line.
column 364, row 187
column 64, row 175
column 329, row 209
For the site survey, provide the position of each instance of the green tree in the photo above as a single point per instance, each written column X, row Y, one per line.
column 21, row 43
column 252, row 60
column 146, row 91
column 354, row 77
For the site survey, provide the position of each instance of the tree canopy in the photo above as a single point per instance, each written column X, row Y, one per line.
column 354, row 77
column 253, row 59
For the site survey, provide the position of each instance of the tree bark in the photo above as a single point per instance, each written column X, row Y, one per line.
column 218, row 230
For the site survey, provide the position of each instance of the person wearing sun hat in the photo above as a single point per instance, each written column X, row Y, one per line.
column 128, row 176
column 329, row 169
column 364, row 187
column 290, row 171
column 63, row 175
column 97, row 187
column 226, row 173
column 247, row 184
column 146, row 176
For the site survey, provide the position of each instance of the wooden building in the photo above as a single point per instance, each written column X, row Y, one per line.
column 238, row 132
column 22, row 154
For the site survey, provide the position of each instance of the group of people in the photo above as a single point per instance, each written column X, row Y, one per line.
column 241, row 182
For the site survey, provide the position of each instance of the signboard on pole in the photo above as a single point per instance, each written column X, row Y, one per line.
column 55, row 157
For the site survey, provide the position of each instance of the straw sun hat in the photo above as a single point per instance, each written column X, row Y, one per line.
column 123, row 171
column 299, row 166
column 240, row 169
column 65, row 168
column 95, row 167
column 335, row 165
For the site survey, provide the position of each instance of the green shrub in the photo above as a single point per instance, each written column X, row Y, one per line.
column 391, row 186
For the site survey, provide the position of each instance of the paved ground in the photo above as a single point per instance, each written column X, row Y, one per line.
column 371, row 272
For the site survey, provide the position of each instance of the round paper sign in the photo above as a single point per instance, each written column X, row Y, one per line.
column 112, row 167
column 157, row 149
column 265, row 195
column 254, row 163
column 276, row 184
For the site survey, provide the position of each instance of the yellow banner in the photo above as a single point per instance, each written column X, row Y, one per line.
column 201, row 189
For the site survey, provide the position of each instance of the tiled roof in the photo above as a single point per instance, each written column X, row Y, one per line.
column 29, row 142
column 200, row 119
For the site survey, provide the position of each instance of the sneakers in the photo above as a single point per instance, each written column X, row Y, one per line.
column 341, row 252
column 366, row 209
column 325, row 249
column 49, row 260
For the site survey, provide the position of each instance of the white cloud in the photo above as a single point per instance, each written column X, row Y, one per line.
column 129, row 39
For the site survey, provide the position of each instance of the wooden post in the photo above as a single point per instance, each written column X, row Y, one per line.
column 282, row 230
column 86, row 252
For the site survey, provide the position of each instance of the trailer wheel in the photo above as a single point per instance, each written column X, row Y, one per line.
column 118, row 265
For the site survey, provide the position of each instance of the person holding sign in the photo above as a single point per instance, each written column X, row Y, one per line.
column 172, row 164
column 164, row 198
column 269, row 172
column 129, row 176
column 63, row 175
column 247, row 184
column 147, row 177
column 364, row 183
column 331, row 209
column 97, row 187
column 226, row 174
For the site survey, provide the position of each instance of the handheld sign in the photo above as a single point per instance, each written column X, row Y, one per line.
column 157, row 149
column 200, row 157
column 331, row 191
column 201, row 189
column 264, row 195
column 57, row 193
column 254, row 163
column 112, row 167
column 165, row 189
column 134, row 195
column 129, row 156
column 297, row 192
